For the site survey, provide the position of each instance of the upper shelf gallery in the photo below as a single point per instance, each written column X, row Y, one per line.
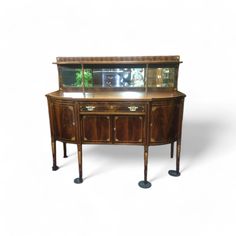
column 118, row 73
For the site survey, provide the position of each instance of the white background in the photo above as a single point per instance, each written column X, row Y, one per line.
column 36, row 201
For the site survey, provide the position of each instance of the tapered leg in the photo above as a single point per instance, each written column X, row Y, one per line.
column 172, row 150
column 54, row 167
column 144, row 183
column 64, row 149
column 80, row 179
column 178, row 149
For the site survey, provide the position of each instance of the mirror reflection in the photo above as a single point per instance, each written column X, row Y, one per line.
column 161, row 77
column 117, row 77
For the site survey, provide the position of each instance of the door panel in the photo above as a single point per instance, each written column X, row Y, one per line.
column 96, row 129
column 128, row 129
column 164, row 122
column 65, row 121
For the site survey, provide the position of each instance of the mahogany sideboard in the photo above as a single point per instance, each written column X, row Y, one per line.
column 117, row 100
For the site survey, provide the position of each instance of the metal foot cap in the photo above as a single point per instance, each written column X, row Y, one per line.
column 144, row 184
column 54, row 168
column 78, row 180
column 174, row 173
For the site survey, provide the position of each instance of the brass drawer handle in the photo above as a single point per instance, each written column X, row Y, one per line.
column 133, row 108
column 90, row 108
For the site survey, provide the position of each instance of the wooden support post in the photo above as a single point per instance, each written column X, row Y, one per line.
column 178, row 150
column 176, row 172
column 54, row 157
column 80, row 179
column 144, row 183
column 64, row 149
column 172, row 149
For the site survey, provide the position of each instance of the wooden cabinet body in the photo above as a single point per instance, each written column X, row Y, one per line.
column 136, row 116
column 153, row 122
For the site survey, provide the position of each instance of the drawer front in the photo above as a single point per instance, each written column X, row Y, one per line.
column 112, row 107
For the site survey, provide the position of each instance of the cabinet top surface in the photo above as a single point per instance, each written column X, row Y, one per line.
column 116, row 95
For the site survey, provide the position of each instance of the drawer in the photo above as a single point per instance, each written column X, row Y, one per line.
column 112, row 107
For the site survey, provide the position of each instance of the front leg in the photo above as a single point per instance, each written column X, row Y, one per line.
column 144, row 183
column 80, row 179
column 54, row 157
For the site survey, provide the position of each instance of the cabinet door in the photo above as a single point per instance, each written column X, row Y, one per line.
column 96, row 129
column 128, row 129
column 65, row 121
column 164, row 122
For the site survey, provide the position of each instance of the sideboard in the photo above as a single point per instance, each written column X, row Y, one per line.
column 117, row 100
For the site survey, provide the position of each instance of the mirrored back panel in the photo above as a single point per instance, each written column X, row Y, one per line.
column 161, row 77
column 108, row 76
